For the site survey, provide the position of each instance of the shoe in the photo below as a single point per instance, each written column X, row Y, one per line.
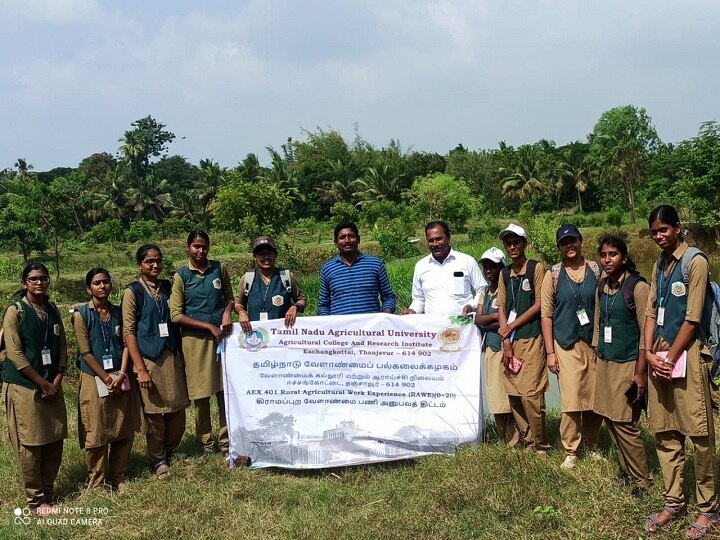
column 597, row 457
column 569, row 462
column 653, row 525
column 696, row 530
column 161, row 470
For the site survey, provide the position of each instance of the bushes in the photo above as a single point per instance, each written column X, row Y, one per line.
column 394, row 236
column 541, row 230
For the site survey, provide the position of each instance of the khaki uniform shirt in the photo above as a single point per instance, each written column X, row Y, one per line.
column 532, row 379
column 36, row 421
column 613, row 378
column 682, row 404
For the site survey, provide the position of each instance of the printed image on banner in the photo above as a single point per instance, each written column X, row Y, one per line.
column 345, row 390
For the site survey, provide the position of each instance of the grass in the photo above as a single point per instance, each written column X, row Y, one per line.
column 482, row 492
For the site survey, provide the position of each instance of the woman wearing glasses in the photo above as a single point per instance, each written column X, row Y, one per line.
column 153, row 342
column 33, row 396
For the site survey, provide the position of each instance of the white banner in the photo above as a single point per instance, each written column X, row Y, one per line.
column 344, row 390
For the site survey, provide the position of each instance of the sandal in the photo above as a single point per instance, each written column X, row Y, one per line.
column 696, row 530
column 652, row 524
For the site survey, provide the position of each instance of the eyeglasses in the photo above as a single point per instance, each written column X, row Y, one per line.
column 153, row 262
column 40, row 279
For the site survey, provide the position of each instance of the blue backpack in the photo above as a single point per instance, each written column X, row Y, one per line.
column 709, row 328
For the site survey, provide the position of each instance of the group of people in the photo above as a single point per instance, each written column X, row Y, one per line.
column 617, row 346
column 613, row 342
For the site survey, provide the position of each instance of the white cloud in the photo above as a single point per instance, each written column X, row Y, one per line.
column 60, row 12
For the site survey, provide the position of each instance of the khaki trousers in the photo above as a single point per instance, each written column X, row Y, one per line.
column 627, row 439
column 39, row 466
column 670, row 446
column 529, row 415
column 108, row 462
column 165, row 431
column 203, row 423
column 577, row 427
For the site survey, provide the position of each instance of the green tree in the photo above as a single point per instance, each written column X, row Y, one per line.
column 147, row 140
column 699, row 183
column 21, row 214
column 620, row 146
column 441, row 196
column 252, row 208
column 530, row 176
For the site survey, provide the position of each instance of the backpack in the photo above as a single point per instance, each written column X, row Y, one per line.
column 284, row 277
column 139, row 292
column 628, row 289
column 555, row 271
column 529, row 273
column 709, row 328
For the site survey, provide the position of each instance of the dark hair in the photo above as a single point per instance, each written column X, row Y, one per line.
column 619, row 244
column 198, row 234
column 144, row 249
column 26, row 272
column 346, row 225
column 94, row 272
column 438, row 223
column 664, row 214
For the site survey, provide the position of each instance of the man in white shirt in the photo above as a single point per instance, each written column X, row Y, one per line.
column 446, row 281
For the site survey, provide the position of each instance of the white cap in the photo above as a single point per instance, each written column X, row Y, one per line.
column 514, row 229
column 494, row 254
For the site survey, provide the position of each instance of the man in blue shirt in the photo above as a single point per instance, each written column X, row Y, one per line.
column 350, row 282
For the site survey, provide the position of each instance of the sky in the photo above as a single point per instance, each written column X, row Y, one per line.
column 230, row 77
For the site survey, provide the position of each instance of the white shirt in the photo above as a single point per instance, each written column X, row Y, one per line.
column 437, row 290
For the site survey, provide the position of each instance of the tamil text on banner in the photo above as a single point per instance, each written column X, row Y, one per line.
column 343, row 390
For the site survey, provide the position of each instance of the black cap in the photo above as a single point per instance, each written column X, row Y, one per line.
column 264, row 241
column 565, row 231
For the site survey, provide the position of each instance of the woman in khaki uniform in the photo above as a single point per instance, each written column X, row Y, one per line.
column 519, row 314
column 153, row 342
column 568, row 312
column 486, row 319
column 33, row 373
column 680, row 405
column 201, row 304
column 618, row 339
column 106, row 424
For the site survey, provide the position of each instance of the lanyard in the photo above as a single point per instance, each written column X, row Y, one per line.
column 578, row 298
column 159, row 302
column 105, row 327
column 608, row 310
column 514, row 292
column 663, row 283
column 43, row 325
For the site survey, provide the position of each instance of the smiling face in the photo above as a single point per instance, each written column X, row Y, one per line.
column 265, row 257
column 151, row 265
column 665, row 235
column 100, row 286
column 36, row 283
column 438, row 242
column 347, row 242
column 570, row 248
column 198, row 251
column 612, row 260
